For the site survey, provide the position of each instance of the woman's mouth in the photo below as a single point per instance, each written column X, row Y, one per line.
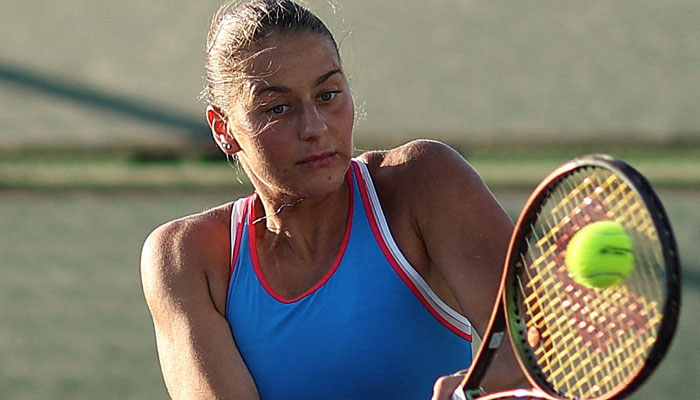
column 318, row 160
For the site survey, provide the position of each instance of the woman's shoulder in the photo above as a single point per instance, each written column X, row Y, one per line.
column 419, row 165
column 187, row 245
column 193, row 228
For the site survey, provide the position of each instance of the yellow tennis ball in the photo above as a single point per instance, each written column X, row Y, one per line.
column 600, row 254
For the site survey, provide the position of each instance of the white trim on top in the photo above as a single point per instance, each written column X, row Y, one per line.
column 236, row 219
column 453, row 317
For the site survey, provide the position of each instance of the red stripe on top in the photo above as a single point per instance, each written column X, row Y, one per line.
column 256, row 262
column 395, row 264
column 239, row 234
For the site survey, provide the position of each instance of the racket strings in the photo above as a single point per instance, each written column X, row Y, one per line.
column 626, row 346
column 582, row 324
column 590, row 341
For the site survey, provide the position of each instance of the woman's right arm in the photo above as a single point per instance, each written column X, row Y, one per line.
column 197, row 353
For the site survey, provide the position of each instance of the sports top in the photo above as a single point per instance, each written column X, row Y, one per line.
column 371, row 328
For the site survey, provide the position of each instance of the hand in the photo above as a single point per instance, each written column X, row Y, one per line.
column 446, row 385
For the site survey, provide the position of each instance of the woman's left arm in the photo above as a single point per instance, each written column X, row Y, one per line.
column 465, row 232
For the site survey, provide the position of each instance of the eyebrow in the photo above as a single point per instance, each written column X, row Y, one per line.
column 327, row 75
column 264, row 89
column 283, row 89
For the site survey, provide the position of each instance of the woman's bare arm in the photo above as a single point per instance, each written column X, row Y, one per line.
column 197, row 353
column 464, row 231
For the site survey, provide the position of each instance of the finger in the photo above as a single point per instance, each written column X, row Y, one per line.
column 446, row 385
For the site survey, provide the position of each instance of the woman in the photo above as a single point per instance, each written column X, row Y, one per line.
column 338, row 278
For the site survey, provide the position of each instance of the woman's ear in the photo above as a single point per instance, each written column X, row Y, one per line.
column 219, row 130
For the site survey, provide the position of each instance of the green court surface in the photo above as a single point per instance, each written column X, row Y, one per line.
column 73, row 323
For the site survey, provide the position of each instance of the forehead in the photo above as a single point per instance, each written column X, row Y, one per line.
column 292, row 59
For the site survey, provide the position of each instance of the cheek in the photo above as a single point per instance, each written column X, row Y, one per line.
column 255, row 127
column 345, row 117
column 268, row 146
column 275, row 147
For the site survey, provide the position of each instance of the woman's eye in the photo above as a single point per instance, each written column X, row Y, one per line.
column 279, row 109
column 327, row 96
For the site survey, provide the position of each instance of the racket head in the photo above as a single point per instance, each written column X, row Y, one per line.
column 575, row 342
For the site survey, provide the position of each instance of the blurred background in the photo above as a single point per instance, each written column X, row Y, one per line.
column 102, row 138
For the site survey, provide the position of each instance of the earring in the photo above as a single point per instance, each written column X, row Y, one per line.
column 227, row 146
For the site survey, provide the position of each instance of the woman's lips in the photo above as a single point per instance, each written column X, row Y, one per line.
column 318, row 160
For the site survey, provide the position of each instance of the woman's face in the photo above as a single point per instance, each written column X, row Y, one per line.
column 294, row 127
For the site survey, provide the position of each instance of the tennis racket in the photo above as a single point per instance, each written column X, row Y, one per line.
column 572, row 341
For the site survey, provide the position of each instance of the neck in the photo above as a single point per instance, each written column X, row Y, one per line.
column 304, row 225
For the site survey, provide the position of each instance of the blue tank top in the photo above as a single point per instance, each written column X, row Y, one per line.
column 371, row 328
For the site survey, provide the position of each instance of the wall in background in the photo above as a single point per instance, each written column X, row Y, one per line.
column 455, row 69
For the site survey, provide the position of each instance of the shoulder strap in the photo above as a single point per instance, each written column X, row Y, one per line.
column 444, row 313
column 239, row 211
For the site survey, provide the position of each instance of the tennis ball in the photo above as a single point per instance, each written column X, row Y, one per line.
column 600, row 254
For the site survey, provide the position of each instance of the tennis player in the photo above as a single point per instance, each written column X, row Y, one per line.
column 339, row 277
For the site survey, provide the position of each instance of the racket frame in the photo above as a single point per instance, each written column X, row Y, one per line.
column 502, row 324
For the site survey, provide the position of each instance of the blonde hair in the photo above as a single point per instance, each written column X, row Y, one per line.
column 236, row 30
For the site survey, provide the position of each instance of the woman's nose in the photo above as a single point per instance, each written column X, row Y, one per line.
column 313, row 124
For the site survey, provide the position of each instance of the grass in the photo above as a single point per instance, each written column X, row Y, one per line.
column 73, row 324
column 670, row 165
column 115, row 174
